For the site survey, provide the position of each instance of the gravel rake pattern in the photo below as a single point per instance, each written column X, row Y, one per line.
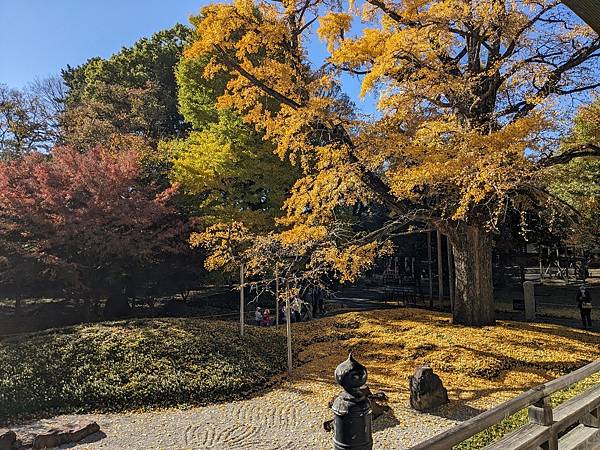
column 280, row 419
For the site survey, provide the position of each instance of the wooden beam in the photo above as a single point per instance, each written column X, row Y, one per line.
column 276, row 296
column 288, row 326
column 588, row 10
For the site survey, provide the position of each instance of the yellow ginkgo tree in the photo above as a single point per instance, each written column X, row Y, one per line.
column 468, row 100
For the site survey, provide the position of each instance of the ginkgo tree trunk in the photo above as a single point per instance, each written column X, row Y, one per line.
column 467, row 108
column 473, row 289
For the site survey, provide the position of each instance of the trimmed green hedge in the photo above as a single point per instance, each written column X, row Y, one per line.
column 134, row 364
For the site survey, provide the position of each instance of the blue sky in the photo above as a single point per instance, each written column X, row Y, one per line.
column 39, row 37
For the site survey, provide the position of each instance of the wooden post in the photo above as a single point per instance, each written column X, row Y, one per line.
column 429, row 268
column 276, row 296
column 450, row 273
column 540, row 413
column 242, row 299
column 592, row 419
column 440, row 268
column 529, row 300
column 288, row 326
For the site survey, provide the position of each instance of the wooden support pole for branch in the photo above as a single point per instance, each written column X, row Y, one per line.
column 429, row 268
column 440, row 269
column 242, row 299
column 288, row 326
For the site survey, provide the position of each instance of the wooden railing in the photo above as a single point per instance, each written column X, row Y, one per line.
column 548, row 428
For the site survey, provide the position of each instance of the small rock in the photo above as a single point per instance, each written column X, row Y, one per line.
column 7, row 439
column 426, row 390
column 83, row 429
column 72, row 432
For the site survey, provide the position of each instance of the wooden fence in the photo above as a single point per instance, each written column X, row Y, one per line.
column 572, row 425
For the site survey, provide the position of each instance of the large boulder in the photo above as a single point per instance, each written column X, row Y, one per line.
column 7, row 439
column 426, row 390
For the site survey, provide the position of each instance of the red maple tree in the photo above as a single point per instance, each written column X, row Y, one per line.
column 82, row 221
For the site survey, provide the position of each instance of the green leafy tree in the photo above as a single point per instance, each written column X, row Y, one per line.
column 578, row 182
column 133, row 92
column 29, row 117
column 224, row 165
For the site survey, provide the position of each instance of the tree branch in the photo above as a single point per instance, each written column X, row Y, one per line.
column 553, row 79
column 232, row 64
column 305, row 26
column 579, row 151
column 367, row 176
column 513, row 43
column 392, row 14
column 579, row 89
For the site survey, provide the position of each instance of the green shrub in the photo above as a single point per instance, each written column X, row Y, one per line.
column 134, row 364
column 486, row 437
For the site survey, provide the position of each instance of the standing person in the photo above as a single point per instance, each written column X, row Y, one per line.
column 320, row 302
column 282, row 316
column 315, row 300
column 295, row 312
column 258, row 316
column 266, row 318
column 584, row 302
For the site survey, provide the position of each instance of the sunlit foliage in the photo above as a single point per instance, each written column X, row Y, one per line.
column 466, row 101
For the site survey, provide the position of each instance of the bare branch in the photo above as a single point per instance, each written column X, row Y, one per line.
column 392, row 14
column 579, row 89
column 354, row 71
column 553, row 79
column 579, row 151
column 513, row 44
column 305, row 26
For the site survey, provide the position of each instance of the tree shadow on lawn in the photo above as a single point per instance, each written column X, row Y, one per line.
column 394, row 380
column 457, row 410
column 511, row 371
column 511, row 364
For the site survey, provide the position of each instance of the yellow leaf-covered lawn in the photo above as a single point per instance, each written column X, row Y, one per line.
column 479, row 366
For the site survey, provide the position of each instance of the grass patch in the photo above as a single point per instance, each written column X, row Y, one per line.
column 486, row 437
column 134, row 364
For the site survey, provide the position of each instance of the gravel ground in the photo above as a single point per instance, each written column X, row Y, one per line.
column 286, row 417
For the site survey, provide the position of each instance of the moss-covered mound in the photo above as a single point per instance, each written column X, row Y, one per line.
column 134, row 364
